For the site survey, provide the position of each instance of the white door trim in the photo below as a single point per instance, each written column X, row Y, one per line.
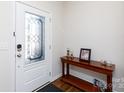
column 12, row 48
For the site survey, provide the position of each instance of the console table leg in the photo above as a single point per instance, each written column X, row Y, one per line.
column 67, row 68
column 63, row 69
column 109, row 83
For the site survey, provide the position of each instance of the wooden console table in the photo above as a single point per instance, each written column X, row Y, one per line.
column 93, row 65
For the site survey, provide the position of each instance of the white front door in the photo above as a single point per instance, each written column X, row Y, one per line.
column 32, row 48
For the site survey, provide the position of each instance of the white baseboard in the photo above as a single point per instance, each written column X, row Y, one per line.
column 56, row 77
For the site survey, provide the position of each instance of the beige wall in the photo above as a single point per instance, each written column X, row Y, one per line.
column 99, row 26
column 6, row 21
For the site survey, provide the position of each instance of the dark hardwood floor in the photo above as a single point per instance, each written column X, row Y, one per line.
column 65, row 86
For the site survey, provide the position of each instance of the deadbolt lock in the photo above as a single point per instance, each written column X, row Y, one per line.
column 19, row 47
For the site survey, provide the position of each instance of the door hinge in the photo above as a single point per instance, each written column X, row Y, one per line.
column 49, row 73
column 50, row 47
column 49, row 19
column 14, row 34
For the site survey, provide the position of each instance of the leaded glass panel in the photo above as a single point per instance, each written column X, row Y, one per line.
column 34, row 38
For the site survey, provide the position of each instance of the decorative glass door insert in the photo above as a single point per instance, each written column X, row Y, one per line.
column 34, row 38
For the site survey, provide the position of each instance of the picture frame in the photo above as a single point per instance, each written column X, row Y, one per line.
column 85, row 54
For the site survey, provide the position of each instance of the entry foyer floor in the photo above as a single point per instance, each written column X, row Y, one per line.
column 65, row 86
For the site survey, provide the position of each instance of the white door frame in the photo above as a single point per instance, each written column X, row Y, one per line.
column 12, row 46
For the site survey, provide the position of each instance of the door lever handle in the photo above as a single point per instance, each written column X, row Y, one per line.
column 19, row 55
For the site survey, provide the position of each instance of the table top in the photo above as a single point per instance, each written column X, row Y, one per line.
column 94, row 64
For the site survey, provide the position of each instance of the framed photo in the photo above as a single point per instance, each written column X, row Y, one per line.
column 85, row 54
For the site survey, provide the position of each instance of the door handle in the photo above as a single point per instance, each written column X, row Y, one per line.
column 19, row 55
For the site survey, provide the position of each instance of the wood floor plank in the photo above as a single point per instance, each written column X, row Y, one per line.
column 65, row 86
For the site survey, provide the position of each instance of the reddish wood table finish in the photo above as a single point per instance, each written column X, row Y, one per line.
column 93, row 65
